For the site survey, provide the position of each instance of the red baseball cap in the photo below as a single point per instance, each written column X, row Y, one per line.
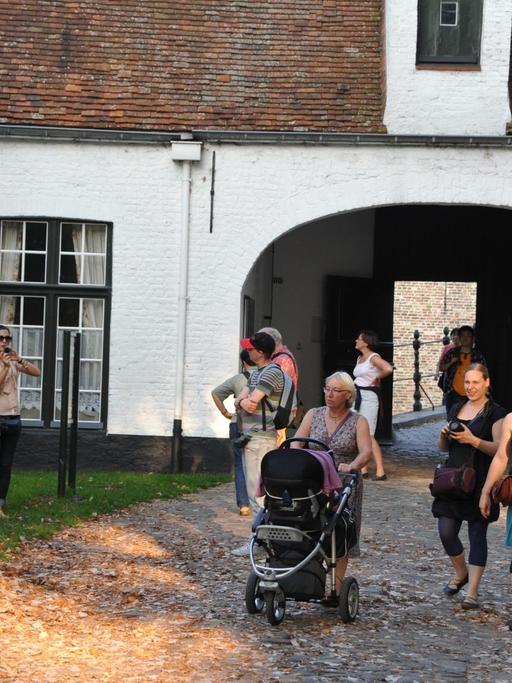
column 261, row 341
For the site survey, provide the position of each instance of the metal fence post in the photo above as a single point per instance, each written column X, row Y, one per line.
column 75, row 387
column 416, row 344
column 64, row 401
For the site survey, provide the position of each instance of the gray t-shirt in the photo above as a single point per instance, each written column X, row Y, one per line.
column 231, row 387
column 269, row 380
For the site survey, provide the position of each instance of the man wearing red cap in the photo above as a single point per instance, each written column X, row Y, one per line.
column 259, row 432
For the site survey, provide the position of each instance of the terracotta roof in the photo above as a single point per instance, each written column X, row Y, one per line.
column 312, row 65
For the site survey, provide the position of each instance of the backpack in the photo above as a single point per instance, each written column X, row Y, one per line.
column 299, row 411
column 287, row 403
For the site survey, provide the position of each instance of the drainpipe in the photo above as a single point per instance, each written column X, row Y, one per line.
column 185, row 151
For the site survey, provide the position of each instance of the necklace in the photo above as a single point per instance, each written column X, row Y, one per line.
column 336, row 418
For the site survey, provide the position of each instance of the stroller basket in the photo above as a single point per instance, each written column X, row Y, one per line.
column 279, row 533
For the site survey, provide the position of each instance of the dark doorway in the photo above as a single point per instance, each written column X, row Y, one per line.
column 463, row 244
column 353, row 304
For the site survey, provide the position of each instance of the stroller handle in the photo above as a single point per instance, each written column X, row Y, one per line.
column 305, row 440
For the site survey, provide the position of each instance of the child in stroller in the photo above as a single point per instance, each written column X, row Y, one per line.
column 304, row 527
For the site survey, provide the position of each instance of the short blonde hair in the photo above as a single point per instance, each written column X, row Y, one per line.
column 348, row 383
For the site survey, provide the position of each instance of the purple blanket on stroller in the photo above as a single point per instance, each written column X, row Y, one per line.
column 332, row 479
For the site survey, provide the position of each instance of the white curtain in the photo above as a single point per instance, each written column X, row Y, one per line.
column 10, row 261
column 77, row 244
column 7, row 309
column 94, row 266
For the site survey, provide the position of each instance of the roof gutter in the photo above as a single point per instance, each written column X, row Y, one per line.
column 21, row 132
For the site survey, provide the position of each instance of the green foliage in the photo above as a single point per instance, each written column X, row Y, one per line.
column 35, row 511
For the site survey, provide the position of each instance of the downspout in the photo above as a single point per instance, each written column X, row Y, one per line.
column 185, row 152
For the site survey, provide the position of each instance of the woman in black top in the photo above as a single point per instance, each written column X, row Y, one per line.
column 476, row 444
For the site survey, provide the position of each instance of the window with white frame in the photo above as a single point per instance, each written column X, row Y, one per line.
column 449, row 32
column 55, row 275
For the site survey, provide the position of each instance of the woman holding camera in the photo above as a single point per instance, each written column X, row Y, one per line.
column 471, row 438
column 11, row 364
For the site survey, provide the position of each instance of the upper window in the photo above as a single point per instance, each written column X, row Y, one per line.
column 449, row 32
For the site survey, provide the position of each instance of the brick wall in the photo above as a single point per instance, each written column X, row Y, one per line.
column 427, row 307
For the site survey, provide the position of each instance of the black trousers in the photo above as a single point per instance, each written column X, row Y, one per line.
column 9, row 436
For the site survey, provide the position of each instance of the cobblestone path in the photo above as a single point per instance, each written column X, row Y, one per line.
column 152, row 594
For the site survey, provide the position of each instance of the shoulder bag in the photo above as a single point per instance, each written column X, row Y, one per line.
column 502, row 491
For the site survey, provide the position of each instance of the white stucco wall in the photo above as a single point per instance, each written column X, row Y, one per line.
column 261, row 193
column 450, row 102
column 137, row 189
column 338, row 245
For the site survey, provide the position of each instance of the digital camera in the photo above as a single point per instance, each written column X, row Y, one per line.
column 455, row 426
column 7, row 350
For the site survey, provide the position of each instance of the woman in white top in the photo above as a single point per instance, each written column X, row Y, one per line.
column 370, row 369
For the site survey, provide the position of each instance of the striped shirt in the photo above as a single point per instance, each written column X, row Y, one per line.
column 269, row 380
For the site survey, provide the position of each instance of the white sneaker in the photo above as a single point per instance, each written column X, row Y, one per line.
column 242, row 551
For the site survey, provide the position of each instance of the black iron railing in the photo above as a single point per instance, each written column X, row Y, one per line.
column 417, row 376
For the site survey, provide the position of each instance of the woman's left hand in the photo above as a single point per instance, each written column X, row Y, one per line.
column 344, row 467
column 465, row 437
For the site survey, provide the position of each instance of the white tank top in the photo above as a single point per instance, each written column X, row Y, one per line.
column 366, row 373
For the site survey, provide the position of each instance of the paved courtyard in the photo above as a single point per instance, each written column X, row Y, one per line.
column 153, row 594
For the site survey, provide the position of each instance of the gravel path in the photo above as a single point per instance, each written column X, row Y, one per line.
column 152, row 594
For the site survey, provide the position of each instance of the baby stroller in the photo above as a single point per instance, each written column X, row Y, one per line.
column 304, row 526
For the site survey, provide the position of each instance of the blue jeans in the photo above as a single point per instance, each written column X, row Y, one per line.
column 242, row 499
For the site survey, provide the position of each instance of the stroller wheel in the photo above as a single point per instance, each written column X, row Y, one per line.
column 276, row 606
column 254, row 600
column 348, row 605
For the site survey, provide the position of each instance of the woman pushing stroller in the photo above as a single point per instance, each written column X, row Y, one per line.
column 348, row 436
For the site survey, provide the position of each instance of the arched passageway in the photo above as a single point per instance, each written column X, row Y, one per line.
column 323, row 281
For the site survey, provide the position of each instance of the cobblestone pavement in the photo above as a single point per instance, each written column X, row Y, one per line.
column 152, row 594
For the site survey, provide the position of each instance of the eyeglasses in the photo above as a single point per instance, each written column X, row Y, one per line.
column 329, row 390
column 7, row 340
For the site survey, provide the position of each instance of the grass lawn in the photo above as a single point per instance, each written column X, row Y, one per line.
column 35, row 511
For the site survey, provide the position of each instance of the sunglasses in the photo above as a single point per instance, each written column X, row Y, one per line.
column 5, row 339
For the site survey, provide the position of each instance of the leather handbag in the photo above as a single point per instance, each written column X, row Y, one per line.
column 502, row 491
column 453, row 483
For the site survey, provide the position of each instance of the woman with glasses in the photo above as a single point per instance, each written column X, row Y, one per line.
column 347, row 435
column 11, row 364
column 370, row 369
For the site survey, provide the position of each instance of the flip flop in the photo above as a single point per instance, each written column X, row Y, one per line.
column 470, row 603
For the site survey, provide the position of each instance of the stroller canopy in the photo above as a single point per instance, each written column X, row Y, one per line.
column 298, row 470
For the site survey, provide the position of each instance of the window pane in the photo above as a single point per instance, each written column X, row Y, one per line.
column 10, row 310
column 70, row 269
column 90, row 375
column 12, row 234
column 449, row 13
column 71, row 237
column 28, row 380
column 89, row 406
column 32, row 343
column 35, row 237
column 91, row 344
column 30, row 404
column 35, row 267
column 94, row 270
column 10, row 267
column 69, row 312
column 33, row 310
column 96, row 239
column 93, row 313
